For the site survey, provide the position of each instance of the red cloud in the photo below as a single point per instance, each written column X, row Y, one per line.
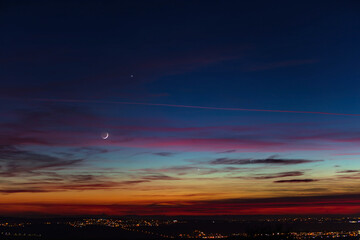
column 333, row 204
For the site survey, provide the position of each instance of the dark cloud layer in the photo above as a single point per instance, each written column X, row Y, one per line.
column 279, row 175
column 15, row 162
column 164, row 154
column 349, row 171
column 297, row 180
column 270, row 161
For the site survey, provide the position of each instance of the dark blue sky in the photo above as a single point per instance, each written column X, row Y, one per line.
column 255, row 54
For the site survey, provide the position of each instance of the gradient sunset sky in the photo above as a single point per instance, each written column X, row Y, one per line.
column 212, row 107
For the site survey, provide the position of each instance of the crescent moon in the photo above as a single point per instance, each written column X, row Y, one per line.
column 105, row 135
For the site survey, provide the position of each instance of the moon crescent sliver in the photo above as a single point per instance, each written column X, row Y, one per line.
column 104, row 135
column 190, row 106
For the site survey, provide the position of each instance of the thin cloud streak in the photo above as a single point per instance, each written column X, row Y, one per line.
column 188, row 106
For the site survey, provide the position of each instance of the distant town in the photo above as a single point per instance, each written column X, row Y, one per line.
column 332, row 227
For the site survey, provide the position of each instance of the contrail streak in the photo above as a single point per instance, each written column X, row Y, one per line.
column 189, row 106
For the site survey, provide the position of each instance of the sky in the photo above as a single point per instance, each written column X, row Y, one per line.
column 209, row 107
